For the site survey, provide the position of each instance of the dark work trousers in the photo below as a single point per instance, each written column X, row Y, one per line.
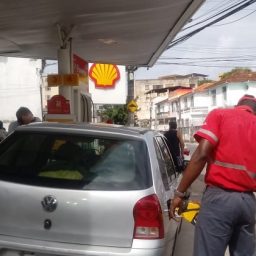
column 226, row 218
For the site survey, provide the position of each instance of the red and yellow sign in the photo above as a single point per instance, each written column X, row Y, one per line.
column 58, row 105
column 104, row 75
column 54, row 80
column 81, row 68
column 60, row 80
column 71, row 79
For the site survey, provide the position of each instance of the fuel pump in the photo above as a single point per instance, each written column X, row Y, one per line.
column 73, row 104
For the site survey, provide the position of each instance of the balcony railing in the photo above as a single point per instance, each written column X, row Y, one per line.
column 196, row 110
column 166, row 114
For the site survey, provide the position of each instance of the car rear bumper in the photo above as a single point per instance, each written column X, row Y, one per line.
column 20, row 246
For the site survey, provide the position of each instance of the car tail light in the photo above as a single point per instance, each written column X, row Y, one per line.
column 148, row 219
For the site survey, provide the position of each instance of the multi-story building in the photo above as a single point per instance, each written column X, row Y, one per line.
column 149, row 92
column 190, row 107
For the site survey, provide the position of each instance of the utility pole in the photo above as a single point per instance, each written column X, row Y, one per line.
column 150, row 110
column 130, row 95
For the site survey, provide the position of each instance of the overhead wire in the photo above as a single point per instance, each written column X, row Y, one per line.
column 211, row 10
column 208, row 58
column 228, row 8
column 235, row 20
column 190, row 34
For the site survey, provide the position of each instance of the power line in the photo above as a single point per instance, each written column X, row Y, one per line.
column 187, row 36
column 204, row 66
column 234, row 6
column 235, row 20
column 212, row 9
column 253, row 57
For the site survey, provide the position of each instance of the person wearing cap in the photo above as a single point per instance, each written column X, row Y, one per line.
column 24, row 116
column 228, row 208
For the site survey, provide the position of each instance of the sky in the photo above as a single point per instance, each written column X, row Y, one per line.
column 228, row 44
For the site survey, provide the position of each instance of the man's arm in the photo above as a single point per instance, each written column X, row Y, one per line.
column 197, row 162
column 182, row 144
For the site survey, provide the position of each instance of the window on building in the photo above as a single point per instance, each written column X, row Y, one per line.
column 213, row 96
column 146, row 87
column 224, row 93
column 192, row 101
column 157, row 86
column 185, row 103
column 182, row 123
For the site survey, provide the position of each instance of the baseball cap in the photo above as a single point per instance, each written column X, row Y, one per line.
column 247, row 97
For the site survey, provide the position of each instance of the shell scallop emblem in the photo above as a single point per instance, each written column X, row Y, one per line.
column 104, row 75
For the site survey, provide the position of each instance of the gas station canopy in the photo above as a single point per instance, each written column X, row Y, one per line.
column 127, row 32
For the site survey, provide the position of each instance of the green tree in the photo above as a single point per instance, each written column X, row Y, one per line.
column 205, row 81
column 117, row 113
column 235, row 70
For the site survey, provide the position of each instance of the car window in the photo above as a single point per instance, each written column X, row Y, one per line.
column 76, row 162
column 165, row 161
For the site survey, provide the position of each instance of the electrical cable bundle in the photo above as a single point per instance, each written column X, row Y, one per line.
column 227, row 12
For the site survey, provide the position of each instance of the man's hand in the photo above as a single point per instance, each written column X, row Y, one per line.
column 175, row 203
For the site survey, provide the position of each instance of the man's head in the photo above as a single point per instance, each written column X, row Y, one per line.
column 248, row 100
column 24, row 115
column 172, row 125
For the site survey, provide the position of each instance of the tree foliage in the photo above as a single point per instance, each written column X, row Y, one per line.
column 235, row 70
column 205, row 81
column 118, row 114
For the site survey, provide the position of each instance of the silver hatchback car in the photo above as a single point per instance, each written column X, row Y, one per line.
column 84, row 189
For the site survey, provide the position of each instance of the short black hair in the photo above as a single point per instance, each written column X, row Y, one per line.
column 173, row 125
column 21, row 112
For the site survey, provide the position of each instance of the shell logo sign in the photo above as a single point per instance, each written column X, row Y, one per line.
column 104, row 75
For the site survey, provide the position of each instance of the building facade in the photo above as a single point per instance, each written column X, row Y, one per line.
column 190, row 107
column 19, row 86
column 148, row 93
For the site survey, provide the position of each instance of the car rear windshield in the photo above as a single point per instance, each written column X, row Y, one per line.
column 75, row 162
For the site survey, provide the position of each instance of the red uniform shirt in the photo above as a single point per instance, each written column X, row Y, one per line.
column 232, row 132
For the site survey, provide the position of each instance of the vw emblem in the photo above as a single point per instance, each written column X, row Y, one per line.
column 49, row 203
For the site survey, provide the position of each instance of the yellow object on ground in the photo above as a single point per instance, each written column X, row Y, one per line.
column 191, row 212
column 62, row 174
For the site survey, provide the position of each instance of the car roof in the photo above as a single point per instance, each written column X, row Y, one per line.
column 89, row 128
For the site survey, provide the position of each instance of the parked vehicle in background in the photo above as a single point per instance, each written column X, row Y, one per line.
column 83, row 189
